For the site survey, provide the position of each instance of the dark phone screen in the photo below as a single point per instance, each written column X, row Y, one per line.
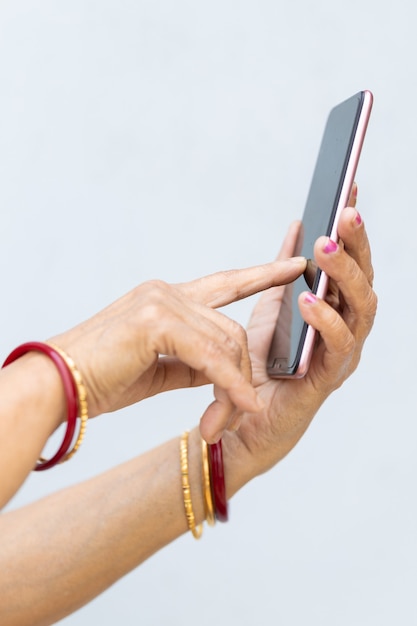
column 319, row 214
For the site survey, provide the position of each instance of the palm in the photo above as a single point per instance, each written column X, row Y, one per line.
column 287, row 411
column 290, row 404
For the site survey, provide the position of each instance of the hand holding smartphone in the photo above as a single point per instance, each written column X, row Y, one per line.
column 293, row 340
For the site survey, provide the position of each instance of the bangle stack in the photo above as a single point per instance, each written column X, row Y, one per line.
column 213, row 485
column 212, row 468
column 75, row 394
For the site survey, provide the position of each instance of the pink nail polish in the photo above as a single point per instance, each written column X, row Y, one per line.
column 331, row 246
column 310, row 298
column 358, row 219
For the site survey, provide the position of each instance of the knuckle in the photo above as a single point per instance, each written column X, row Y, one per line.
column 346, row 341
column 370, row 309
column 237, row 331
column 152, row 297
column 154, row 288
column 232, row 347
column 348, row 345
column 225, row 355
column 355, row 271
column 213, row 350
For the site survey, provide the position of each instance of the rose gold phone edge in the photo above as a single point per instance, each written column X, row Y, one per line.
column 349, row 179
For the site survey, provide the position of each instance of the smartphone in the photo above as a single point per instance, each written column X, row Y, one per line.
column 293, row 340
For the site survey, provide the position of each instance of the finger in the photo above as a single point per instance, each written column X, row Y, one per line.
column 218, row 358
column 334, row 359
column 230, row 328
column 213, row 326
column 358, row 297
column 264, row 315
column 223, row 288
column 217, row 416
column 353, row 234
column 206, row 341
column 266, row 309
column 171, row 373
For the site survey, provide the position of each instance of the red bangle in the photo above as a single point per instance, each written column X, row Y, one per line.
column 70, row 394
column 218, row 486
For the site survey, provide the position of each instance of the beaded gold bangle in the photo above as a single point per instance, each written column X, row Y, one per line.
column 208, row 499
column 82, row 400
column 196, row 531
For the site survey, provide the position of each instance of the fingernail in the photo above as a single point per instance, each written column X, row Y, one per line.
column 310, row 298
column 331, row 246
column 358, row 219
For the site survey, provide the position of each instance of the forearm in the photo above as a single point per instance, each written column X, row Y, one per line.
column 32, row 405
column 60, row 552
column 84, row 538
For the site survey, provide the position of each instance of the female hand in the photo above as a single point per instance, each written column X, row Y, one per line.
column 343, row 322
column 160, row 337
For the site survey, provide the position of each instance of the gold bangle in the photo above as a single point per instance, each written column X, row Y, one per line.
column 82, row 401
column 208, row 498
column 196, row 531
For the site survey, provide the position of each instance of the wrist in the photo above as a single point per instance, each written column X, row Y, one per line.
column 238, row 464
column 247, row 456
column 41, row 394
column 32, row 406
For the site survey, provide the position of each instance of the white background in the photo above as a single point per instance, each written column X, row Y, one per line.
column 143, row 139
